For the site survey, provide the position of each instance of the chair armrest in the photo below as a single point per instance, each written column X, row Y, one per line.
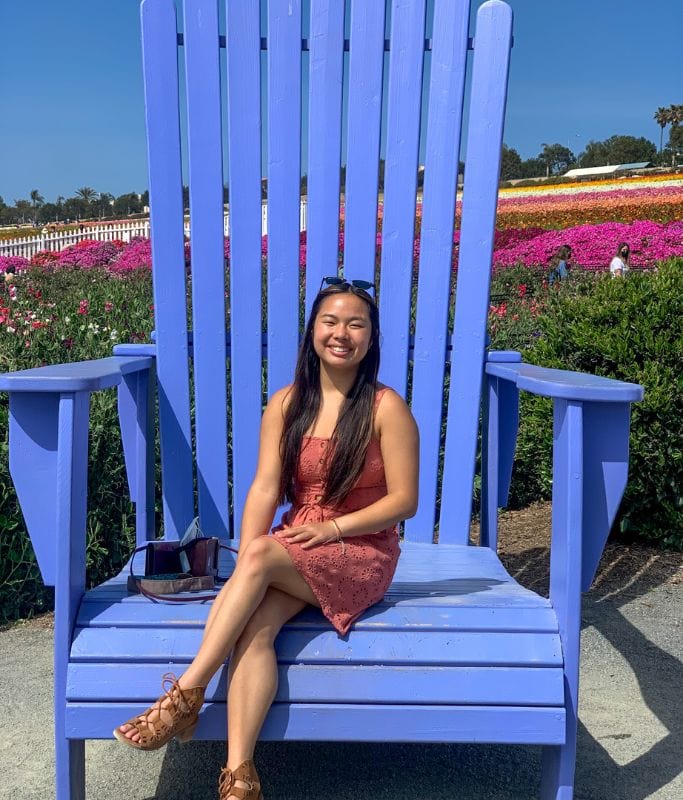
column 79, row 376
column 566, row 385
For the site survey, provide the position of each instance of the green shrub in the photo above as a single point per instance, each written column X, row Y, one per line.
column 42, row 324
column 632, row 330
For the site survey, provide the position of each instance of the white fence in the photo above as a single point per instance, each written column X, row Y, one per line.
column 28, row 246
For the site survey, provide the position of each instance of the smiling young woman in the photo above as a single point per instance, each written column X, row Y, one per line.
column 343, row 450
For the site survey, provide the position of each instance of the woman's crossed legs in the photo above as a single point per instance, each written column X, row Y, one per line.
column 264, row 591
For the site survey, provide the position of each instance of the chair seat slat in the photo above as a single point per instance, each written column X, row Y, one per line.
column 101, row 612
column 178, row 646
column 349, row 722
column 339, row 684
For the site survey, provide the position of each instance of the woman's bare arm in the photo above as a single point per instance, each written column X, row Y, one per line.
column 261, row 502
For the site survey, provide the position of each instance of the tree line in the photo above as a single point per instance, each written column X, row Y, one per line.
column 553, row 159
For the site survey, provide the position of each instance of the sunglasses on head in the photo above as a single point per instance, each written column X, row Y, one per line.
column 333, row 280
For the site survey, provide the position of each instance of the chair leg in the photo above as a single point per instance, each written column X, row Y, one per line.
column 70, row 772
column 557, row 770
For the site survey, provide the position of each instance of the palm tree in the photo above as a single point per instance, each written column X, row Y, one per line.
column 36, row 200
column 662, row 118
column 676, row 114
column 104, row 203
column 87, row 195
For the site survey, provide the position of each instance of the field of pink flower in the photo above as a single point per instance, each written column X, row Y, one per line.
column 530, row 229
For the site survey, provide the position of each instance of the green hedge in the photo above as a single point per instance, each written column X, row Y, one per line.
column 48, row 323
column 628, row 329
column 632, row 330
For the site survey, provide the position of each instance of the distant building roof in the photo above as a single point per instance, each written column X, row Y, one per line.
column 608, row 170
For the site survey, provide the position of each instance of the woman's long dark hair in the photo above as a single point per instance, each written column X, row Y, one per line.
column 352, row 434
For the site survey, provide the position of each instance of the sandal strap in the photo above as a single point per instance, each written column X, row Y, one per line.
column 181, row 706
column 246, row 773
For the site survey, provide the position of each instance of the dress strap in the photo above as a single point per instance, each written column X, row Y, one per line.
column 379, row 394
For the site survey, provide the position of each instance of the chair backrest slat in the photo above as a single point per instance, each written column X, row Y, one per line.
column 326, row 65
column 208, row 262
column 446, row 87
column 485, row 131
column 366, row 61
column 160, row 58
column 284, row 182
column 244, row 161
column 406, row 60
column 342, row 95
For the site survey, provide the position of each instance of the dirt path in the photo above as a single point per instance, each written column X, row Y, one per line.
column 627, row 570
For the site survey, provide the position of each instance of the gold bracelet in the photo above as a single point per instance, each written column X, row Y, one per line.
column 339, row 534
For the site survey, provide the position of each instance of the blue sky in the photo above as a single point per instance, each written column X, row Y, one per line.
column 72, row 98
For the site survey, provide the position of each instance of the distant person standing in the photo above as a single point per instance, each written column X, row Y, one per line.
column 619, row 265
column 559, row 264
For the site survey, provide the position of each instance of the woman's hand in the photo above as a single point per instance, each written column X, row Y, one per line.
column 310, row 535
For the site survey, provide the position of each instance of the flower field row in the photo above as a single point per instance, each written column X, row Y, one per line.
column 593, row 246
column 564, row 209
column 603, row 184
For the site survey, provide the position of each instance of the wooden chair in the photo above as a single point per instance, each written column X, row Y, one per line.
column 458, row 651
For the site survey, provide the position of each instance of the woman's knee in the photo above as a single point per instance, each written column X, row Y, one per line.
column 258, row 558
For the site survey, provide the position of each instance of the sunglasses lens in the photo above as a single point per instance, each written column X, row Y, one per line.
column 333, row 280
column 363, row 285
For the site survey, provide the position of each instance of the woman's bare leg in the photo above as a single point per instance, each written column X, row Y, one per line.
column 253, row 673
column 265, row 563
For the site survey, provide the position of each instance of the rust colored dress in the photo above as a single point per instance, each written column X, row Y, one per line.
column 349, row 576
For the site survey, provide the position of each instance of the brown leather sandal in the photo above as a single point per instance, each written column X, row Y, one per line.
column 246, row 773
column 174, row 719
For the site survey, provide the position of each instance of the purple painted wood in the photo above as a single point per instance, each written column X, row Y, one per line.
column 89, row 376
column 244, row 147
column 605, row 449
column 284, row 180
column 326, row 63
column 113, row 612
column 469, row 648
column 72, row 489
column 565, row 384
column 484, row 139
column 558, row 764
column 33, row 442
column 136, row 418
column 499, row 438
column 363, row 133
column 208, row 262
column 348, row 722
column 305, row 683
column 160, row 62
column 446, row 86
column 400, row 179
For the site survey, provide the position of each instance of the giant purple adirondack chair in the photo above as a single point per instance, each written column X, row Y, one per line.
column 458, row 651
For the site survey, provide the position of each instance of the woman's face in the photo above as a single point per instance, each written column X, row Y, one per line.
column 342, row 331
column 624, row 252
